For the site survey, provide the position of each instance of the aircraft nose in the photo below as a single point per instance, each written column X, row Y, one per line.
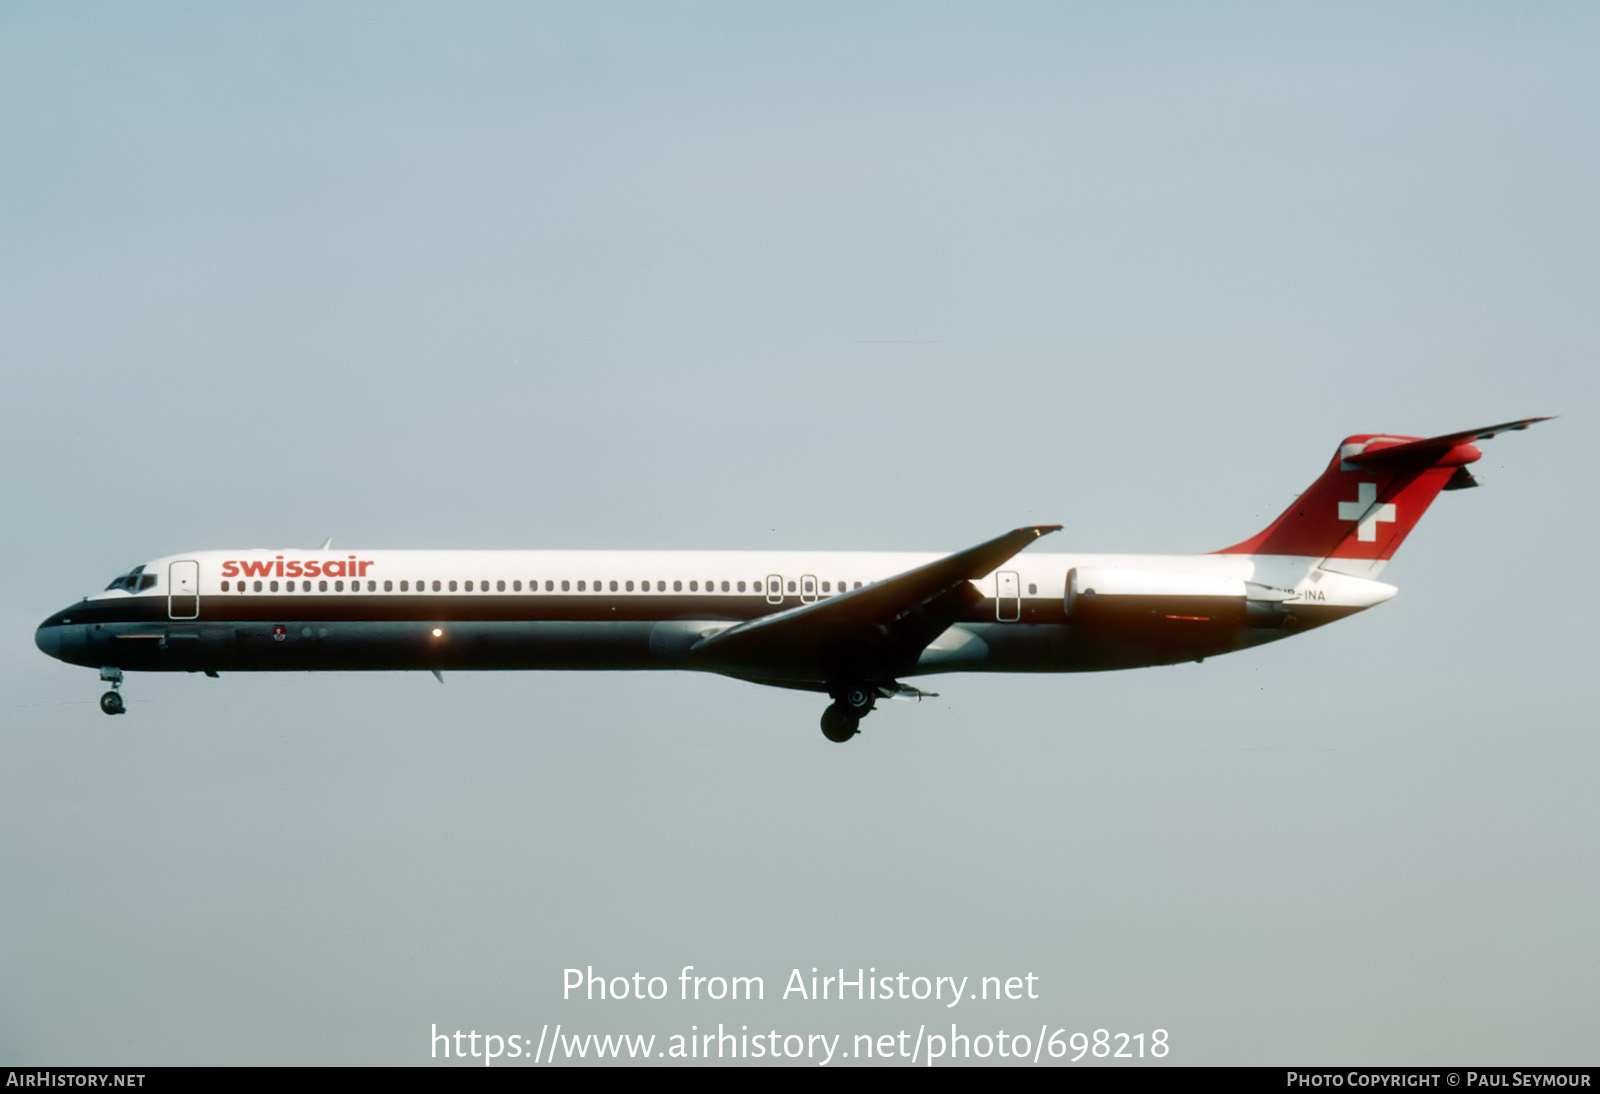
column 48, row 639
column 65, row 640
column 62, row 640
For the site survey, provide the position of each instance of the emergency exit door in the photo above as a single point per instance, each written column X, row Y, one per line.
column 1008, row 597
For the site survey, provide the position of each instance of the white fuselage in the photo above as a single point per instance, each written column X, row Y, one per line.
column 264, row 609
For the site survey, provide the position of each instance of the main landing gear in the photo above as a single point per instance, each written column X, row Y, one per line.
column 842, row 720
column 111, row 701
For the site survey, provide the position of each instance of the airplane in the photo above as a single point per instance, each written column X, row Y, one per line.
column 853, row 626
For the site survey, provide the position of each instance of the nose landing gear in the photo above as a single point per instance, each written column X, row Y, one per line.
column 111, row 701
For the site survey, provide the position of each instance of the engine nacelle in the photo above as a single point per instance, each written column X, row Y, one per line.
column 1113, row 595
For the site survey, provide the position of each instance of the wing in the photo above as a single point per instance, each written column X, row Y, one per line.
column 866, row 634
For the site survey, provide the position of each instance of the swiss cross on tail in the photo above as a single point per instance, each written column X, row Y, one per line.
column 1370, row 496
column 1366, row 511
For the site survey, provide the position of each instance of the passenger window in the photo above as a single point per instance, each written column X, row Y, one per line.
column 322, row 586
column 581, row 586
column 791, row 586
column 630, row 586
column 436, row 585
column 694, row 586
column 565, row 585
column 388, row 586
column 258, row 586
column 724, row 586
column 516, row 586
column 1033, row 590
column 452, row 585
column 661, row 586
column 224, row 586
column 741, row 586
column 614, row 586
column 500, row 586
column 338, row 586
column 677, row 586
column 272, row 586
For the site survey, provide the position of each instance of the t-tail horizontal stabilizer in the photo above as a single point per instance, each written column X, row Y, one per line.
column 1372, row 493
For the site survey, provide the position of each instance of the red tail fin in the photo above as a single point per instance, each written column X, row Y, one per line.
column 1372, row 494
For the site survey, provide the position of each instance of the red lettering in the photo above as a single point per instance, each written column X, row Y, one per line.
column 296, row 568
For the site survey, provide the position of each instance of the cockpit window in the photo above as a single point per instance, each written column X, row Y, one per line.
column 133, row 581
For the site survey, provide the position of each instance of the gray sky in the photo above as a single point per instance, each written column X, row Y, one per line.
column 834, row 276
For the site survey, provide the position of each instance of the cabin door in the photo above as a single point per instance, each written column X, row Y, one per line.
column 183, row 590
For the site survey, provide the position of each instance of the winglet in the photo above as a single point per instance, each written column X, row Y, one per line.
column 326, row 544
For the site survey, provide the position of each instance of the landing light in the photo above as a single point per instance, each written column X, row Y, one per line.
column 437, row 633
